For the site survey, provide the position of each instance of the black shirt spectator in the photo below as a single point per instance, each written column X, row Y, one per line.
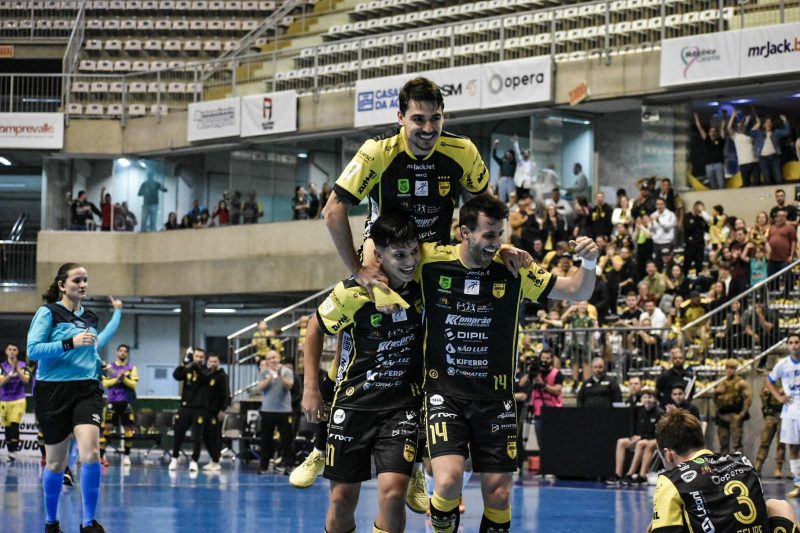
column 599, row 389
column 82, row 210
column 600, row 219
column 672, row 377
column 791, row 210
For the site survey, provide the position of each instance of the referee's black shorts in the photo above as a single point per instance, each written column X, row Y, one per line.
column 62, row 405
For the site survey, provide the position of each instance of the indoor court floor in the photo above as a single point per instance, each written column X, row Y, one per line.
column 148, row 499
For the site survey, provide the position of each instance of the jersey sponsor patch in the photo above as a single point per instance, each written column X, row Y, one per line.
column 472, row 286
column 421, row 188
column 403, row 185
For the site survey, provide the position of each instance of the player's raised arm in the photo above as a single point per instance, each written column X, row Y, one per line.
column 581, row 285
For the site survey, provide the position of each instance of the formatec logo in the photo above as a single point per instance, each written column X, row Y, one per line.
column 692, row 55
column 773, row 49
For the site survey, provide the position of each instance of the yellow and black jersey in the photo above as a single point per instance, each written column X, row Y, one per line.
column 385, row 169
column 381, row 362
column 471, row 318
column 690, row 311
column 710, row 492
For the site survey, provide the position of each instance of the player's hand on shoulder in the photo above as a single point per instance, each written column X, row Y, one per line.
column 515, row 259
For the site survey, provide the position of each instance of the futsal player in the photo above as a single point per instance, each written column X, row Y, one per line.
column 789, row 395
column 704, row 491
column 64, row 339
column 14, row 376
column 471, row 316
column 417, row 168
column 121, row 378
column 375, row 411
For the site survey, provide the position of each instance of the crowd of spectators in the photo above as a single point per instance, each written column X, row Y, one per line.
column 744, row 142
column 662, row 265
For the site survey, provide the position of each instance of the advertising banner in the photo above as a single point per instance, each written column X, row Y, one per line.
column 700, row 58
column 377, row 99
column 28, row 446
column 214, row 119
column 522, row 81
column 30, row 131
column 770, row 50
column 265, row 114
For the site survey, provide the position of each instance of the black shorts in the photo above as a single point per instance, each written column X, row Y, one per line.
column 779, row 524
column 486, row 430
column 119, row 413
column 355, row 437
column 62, row 405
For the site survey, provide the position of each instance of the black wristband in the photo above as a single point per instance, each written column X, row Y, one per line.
column 68, row 345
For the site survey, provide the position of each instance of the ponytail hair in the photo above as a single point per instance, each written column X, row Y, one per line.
column 53, row 293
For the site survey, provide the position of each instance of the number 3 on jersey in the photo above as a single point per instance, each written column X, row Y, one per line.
column 743, row 498
column 500, row 382
column 437, row 429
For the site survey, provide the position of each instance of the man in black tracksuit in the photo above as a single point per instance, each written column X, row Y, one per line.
column 194, row 405
column 218, row 400
column 599, row 390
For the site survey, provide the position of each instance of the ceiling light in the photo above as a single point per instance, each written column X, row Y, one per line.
column 123, row 162
column 5, row 162
column 302, row 155
column 220, row 311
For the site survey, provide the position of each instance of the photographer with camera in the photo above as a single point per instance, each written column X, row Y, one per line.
column 194, row 404
column 546, row 382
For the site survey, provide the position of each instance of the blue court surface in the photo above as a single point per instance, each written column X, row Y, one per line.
column 148, row 499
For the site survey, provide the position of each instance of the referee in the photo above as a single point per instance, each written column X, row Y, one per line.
column 64, row 339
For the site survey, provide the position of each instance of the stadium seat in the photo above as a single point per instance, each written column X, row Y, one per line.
column 87, row 65
column 215, row 26
column 158, row 65
column 232, row 27
column 105, row 65
column 113, row 46
column 192, row 46
column 155, row 87
column 111, row 25
column 116, row 87
column 194, row 88
column 249, row 25
column 137, row 87
column 176, row 64
column 114, row 110
column 172, row 46
column 176, row 87
column 94, row 109
column 98, row 88
column 198, row 24
column 230, row 46
column 74, row 109
column 80, row 87
column 94, row 24
column 127, row 25
column 181, row 25
column 122, row 65
column 183, row 6
column 140, row 66
column 132, row 47
column 145, row 25
column 137, row 110
column 153, row 46
column 212, row 46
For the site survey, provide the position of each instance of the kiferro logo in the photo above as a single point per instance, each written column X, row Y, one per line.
column 691, row 55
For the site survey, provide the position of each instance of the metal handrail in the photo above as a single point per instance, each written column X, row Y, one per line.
column 18, row 228
column 740, row 296
column 73, row 49
column 741, row 368
column 282, row 312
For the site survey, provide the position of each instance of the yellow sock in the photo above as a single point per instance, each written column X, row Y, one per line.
column 499, row 516
column 443, row 504
column 376, row 529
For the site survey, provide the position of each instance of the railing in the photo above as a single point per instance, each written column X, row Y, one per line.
column 598, row 29
column 17, row 264
column 242, row 355
column 73, row 51
column 18, row 228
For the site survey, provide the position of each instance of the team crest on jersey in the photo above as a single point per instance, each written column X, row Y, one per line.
column 511, row 449
column 403, row 185
column 375, row 319
column 445, row 282
column 350, row 391
column 409, row 452
column 433, row 374
column 444, row 188
column 499, row 289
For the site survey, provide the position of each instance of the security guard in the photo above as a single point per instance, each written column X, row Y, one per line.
column 732, row 398
column 771, row 409
column 599, row 389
